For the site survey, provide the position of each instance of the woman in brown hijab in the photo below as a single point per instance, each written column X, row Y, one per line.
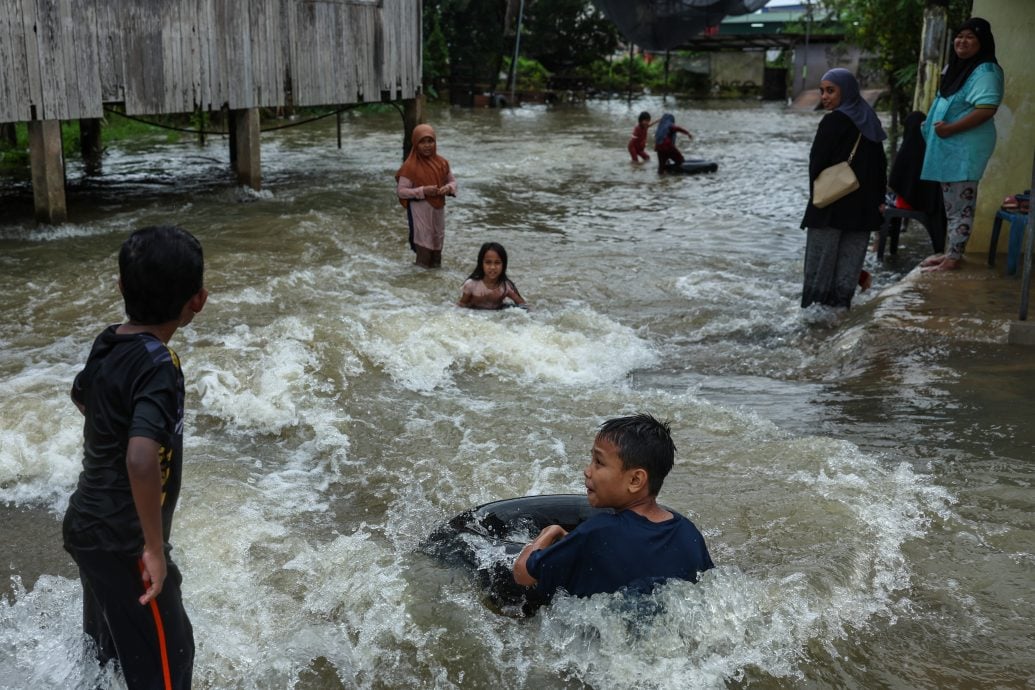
column 424, row 182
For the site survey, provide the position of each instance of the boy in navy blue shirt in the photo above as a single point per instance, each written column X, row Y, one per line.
column 119, row 519
column 641, row 543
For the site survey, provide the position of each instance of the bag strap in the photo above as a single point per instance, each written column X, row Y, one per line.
column 852, row 154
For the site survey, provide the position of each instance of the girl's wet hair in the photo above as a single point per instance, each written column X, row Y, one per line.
column 478, row 273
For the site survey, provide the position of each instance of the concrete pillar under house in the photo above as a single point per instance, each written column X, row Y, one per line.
column 246, row 154
column 48, row 171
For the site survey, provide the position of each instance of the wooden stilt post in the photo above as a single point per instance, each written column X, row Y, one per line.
column 90, row 145
column 48, row 171
column 246, row 147
column 8, row 134
column 231, row 129
column 413, row 115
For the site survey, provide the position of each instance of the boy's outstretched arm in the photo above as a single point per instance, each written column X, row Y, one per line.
column 145, row 481
column 548, row 536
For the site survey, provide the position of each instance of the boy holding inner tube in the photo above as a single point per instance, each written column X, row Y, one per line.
column 638, row 545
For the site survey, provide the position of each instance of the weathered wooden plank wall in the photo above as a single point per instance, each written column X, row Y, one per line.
column 65, row 59
column 111, row 61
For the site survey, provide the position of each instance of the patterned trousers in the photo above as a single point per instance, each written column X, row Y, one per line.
column 959, row 199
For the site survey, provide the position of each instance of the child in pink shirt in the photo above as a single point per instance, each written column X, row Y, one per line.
column 638, row 142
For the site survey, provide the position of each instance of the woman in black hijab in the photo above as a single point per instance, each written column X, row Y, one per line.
column 960, row 134
column 838, row 234
column 911, row 192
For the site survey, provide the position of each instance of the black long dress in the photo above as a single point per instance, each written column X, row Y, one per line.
column 904, row 180
column 838, row 234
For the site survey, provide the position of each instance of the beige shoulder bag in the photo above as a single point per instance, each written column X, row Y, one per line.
column 836, row 181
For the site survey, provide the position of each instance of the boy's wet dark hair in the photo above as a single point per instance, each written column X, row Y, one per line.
column 161, row 267
column 642, row 442
column 643, row 116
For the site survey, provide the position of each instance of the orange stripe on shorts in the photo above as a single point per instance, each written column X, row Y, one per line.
column 160, row 629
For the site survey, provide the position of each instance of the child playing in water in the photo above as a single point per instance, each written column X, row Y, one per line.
column 638, row 142
column 422, row 184
column 120, row 516
column 665, row 142
column 488, row 286
column 638, row 545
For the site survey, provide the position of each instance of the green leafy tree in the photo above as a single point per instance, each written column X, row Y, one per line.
column 473, row 34
column 566, row 35
column 531, row 75
column 436, row 54
column 892, row 29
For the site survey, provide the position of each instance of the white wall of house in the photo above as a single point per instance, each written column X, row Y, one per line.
column 1010, row 168
column 819, row 57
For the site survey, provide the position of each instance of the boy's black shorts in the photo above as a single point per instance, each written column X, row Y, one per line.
column 154, row 643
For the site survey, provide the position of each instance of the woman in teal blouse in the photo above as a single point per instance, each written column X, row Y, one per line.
column 960, row 134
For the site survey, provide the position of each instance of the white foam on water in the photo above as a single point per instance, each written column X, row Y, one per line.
column 426, row 348
column 40, row 437
column 680, row 636
column 726, row 304
column 242, row 591
column 737, row 322
column 248, row 295
column 272, row 600
column 64, row 231
column 41, row 640
column 257, row 379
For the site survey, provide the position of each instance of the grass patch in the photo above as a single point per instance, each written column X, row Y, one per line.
column 113, row 129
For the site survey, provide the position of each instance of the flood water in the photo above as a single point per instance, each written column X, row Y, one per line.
column 865, row 491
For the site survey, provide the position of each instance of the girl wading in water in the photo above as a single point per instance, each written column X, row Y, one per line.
column 423, row 183
column 488, row 286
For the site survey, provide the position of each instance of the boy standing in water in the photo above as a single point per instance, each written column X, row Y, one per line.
column 119, row 518
column 638, row 545
column 638, row 141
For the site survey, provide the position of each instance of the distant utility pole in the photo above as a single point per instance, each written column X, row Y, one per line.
column 808, row 30
column 517, row 49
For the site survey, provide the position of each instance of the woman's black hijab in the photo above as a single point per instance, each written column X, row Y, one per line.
column 958, row 71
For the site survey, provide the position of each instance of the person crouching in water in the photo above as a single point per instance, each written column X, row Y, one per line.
column 423, row 183
column 641, row 543
column 488, row 286
column 665, row 142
